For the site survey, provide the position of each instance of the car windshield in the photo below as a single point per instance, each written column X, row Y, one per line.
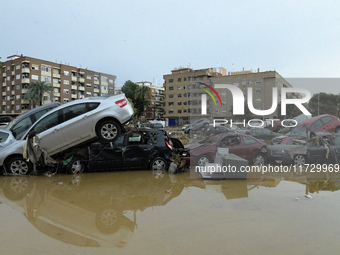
column 299, row 130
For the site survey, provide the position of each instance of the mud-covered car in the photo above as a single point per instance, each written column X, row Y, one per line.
column 137, row 149
column 298, row 152
column 70, row 125
column 201, row 124
column 244, row 146
column 214, row 130
column 262, row 133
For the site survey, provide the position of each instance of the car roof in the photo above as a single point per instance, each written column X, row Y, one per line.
column 37, row 109
column 311, row 120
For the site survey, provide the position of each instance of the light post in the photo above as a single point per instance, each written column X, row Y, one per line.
column 318, row 106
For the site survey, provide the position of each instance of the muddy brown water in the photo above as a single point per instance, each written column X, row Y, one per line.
column 144, row 212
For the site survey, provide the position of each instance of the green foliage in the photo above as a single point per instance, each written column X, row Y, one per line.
column 36, row 91
column 327, row 104
column 138, row 95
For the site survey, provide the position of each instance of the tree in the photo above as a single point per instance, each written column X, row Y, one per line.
column 323, row 103
column 142, row 94
column 129, row 89
column 36, row 91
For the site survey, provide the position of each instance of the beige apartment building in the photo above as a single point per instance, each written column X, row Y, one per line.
column 69, row 82
column 183, row 90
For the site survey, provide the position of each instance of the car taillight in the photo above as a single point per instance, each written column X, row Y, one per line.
column 169, row 146
column 121, row 103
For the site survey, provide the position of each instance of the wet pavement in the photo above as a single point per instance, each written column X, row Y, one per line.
column 145, row 212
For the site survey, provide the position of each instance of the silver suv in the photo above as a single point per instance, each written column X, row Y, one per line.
column 68, row 126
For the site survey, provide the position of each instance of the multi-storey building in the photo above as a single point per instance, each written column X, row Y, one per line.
column 183, row 90
column 69, row 82
column 155, row 108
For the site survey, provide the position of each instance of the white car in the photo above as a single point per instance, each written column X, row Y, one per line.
column 68, row 126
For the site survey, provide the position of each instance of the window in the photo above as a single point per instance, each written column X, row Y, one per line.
column 17, row 97
column 74, row 111
column 48, row 122
column 35, row 67
column 326, row 119
column 258, row 82
column 185, row 103
column 88, row 93
column 66, row 91
column 66, row 73
column 17, row 87
column 171, row 96
column 171, row 111
column 56, row 71
column 179, row 111
column 257, row 91
column 35, row 77
column 179, row 88
column 66, row 82
column 179, row 95
column 89, row 77
column 171, row 103
column 171, row 80
column 179, row 103
column 185, row 79
column 17, row 77
column 179, row 79
column 171, row 88
column 17, row 67
column 55, row 80
column 317, row 124
column 258, row 100
column 45, row 68
column 47, row 98
column 88, row 85
column 111, row 81
column 46, row 78
column 65, row 100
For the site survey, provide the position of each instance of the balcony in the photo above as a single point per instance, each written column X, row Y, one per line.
column 56, row 75
column 56, row 94
column 96, row 90
column 56, row 85
column 96, row 82
column 4, row 103
column 82, row 80
column 25, row 70
column 13, row 92
column 74, row 78
column 74, row 96
column 23, row 91
column 25, row 101
column 4, row 93
column 4, row 84
column 74, row 87
column 82, row 88
column 25, row 80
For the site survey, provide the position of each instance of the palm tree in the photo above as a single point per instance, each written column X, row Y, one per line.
column 36, row 91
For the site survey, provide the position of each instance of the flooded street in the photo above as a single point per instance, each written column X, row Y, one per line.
column 141, row 212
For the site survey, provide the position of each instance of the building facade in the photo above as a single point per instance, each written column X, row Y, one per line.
column 184, row 87
column 69, row 82
column 155, row 108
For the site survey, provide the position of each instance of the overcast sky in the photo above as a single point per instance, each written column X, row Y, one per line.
column 143, row 40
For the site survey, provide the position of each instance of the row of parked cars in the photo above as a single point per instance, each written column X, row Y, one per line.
column 86, row 134
column 315, row 140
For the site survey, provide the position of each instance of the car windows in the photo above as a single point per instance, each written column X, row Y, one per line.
column 140, row 138
column 230, row 141
column 317, row 124
column 248, row 140
column 92, row 106
column 48, row 122
column 22, row 126
column 3, row 137
column 41, row 113
column 74, row 111
column 326, row 119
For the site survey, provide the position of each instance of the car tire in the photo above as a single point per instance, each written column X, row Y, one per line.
column 203, row 159
column 108, row 131
column 18, row 165
column 76, row 166
column 158, row 164
column 259, row 159
column 299, row 160
column 337, row 130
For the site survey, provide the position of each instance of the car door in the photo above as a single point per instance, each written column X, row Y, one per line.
column 49, row 131
column 77, row 126
column 250, row 147
column 317, row 153
column 137, row 153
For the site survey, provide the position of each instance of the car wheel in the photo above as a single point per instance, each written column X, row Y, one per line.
column 299, row 161
column 158, row 164
column 108, row 131
column 203, row 159
column 108, row 220
column 18, row 165
column 337, row 130
column 259, row 159
column 76, row 166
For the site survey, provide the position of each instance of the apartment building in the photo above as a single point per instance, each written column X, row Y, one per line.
column 183, row 90
column 69, row 82
column 155, row 108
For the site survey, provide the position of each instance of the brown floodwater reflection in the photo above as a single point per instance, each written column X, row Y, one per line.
column 158, row 213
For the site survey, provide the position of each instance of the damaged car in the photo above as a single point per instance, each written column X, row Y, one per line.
column 63, row 128
column 137, row 149
column 316, row 150
column 244, row 146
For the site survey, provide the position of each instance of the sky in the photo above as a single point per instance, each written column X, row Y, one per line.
column 144, row 40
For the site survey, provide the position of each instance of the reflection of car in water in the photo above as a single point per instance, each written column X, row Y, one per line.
column 93, row 209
